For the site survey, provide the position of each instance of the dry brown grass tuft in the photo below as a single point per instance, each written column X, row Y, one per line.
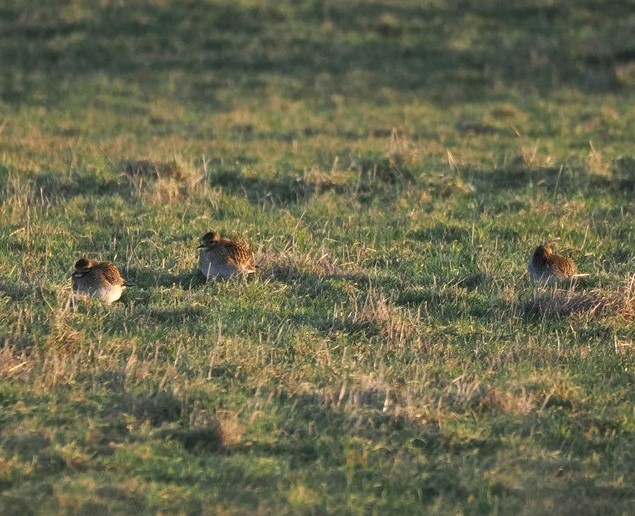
column 454, row 186
column 288, row 265
column 625, row 73
column 388, row 169
column 529, row 157
column 14, row 363
column 317, row 180
column 376, row 315
column 62, row 336
column 168, row 190
column 624, row 347
column 231, row 429
column 162, row 181
column 151, row 169
column 591, row 304
column 393, row 167
column 366, row 392
column 402, row 149
column 59, row 369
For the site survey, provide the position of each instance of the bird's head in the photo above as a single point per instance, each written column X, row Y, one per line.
column 82, row 266
column 542, row 252
column 209, row 239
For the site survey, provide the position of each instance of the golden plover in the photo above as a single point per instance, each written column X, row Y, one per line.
column 222, row 258
column 97, row 279
column 547, row 268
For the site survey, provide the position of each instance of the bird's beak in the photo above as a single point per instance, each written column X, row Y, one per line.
column 200, row 246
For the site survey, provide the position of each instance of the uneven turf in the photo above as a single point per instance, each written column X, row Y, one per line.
column 393, row 165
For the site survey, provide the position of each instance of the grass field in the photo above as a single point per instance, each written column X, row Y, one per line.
column 393, row 165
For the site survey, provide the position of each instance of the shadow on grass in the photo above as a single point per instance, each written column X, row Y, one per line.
column 567, row 178
column 284, row 189
column 519, row 177
column 442, row 232
column 51, row 187
column 185, row 280
column 55, row 185
column 307, row 283
column 365, row 177
column 171, row 317
column 15, row 291
column 336, row 436
column 460, row 300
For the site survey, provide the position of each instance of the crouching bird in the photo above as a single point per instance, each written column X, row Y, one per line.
column 546, row 268
column 102, row 280
column 222, row 258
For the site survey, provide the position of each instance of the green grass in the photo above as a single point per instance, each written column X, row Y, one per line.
column 393, row 165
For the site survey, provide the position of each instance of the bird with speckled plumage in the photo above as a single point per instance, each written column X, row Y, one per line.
column 546, row 268
column 101, row 280
column 223, row 258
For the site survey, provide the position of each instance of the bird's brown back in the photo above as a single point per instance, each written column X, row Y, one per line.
column 234, row 252
column 106, row 272
column 560, row 266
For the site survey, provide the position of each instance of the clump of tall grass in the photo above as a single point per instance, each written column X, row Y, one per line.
column 162, row 181
column 592, row 304
column 375, row 314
